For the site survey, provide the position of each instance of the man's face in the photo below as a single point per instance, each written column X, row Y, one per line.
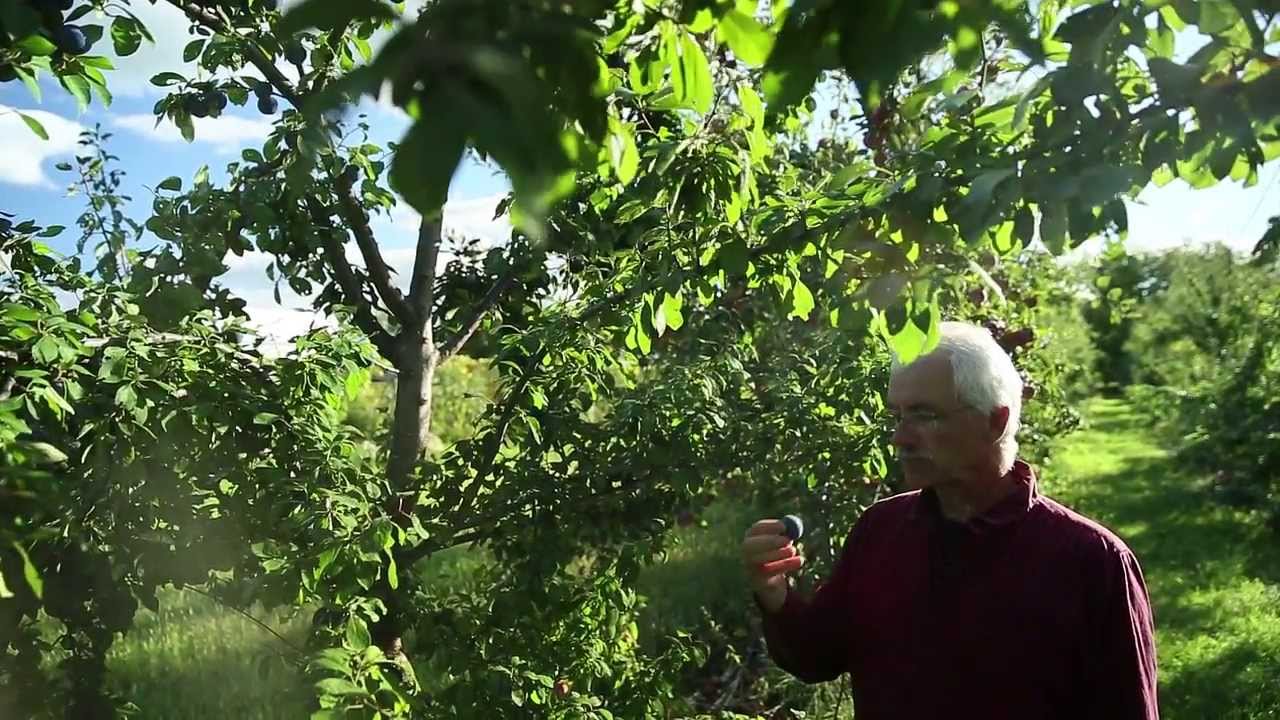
column 938, row 438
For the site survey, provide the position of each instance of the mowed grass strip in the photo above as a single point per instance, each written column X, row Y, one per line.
column 1213, row 571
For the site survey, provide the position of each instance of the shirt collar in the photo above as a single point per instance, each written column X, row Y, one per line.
column 1007, row 510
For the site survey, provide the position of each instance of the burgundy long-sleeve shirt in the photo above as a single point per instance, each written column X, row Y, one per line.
column 1027, row 611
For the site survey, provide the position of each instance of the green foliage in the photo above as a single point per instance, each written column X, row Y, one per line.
column 1120, row 283
column 1204, row 344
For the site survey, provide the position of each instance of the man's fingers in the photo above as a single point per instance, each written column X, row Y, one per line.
column 767, row 527
column 772, row 555
column 782, row 566
column 765, row 543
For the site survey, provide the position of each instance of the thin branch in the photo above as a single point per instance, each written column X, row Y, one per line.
column 472, row 323
column 422, row 286
column 488, row 525
column 255, row 620
column 350, row 284
column 374, row 264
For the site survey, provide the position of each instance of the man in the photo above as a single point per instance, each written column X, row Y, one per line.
column 971, row 595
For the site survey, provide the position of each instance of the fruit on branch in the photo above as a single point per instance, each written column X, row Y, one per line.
column 267, row 105
column 214, row 101
column 195, row 106
column 7, row 73
column 71, row 40
column 295, row 53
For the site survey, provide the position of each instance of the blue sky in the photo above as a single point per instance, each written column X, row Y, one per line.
column 31, row 186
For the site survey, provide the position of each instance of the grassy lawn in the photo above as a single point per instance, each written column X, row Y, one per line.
column 1213, row 573
column 195, row 659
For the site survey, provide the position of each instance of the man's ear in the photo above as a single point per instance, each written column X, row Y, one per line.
column 997, row 421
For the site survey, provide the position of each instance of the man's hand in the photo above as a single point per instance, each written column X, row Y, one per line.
column 769, row 556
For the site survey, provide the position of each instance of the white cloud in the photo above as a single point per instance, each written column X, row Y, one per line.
column 470, row 218
column 22, row 162
column 227, row 133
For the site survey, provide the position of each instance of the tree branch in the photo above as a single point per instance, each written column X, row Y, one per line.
column 472, row 323
column 255, row 54
column 374, row 264
column 422, row 286
column 350, row 284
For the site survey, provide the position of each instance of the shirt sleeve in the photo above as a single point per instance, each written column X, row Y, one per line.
column 810, row 636
column 1122, row 664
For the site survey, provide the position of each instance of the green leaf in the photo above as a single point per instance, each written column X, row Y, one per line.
column 1177, row 83
column 327, row 14
column 801, row 300
column 357, row 634
column 172, row 183
column 747, row 38
column 426, row 159
column 393, row 575
column 671, row 310
column 193, row 50
column 125, row 36
column 35, row 126
column 1216, row 16
column 339, row 686
column 37, row 45
column 97, row 61
column 79, row 89
column 45, row 350
column 29, row 572
column 909, row 342
column 21, row 313
column 126, row 397
column 1053, row 227
column 623, row 155
column 43, row 453
column 29, row 79
column 166, row 79
column 183, row 121
column 691, row 76
column 1101, row 184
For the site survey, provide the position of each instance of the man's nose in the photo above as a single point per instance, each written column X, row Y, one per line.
column 903, row 438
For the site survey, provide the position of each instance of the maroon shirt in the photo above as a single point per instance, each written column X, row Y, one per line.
column 1027, row 611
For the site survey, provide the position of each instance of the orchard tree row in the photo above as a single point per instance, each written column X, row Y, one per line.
column 692, row 291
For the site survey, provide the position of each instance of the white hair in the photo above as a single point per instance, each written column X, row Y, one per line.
column 984, row 376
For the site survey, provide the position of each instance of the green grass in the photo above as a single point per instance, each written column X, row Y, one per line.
column 197, row 659
column 1213, row 573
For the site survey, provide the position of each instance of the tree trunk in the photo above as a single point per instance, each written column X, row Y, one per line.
column 412, row 419
column 416, row 362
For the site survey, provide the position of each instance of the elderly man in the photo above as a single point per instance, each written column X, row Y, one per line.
column 971, row 595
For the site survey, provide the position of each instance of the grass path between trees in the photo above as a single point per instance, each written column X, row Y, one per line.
column 1213, row 572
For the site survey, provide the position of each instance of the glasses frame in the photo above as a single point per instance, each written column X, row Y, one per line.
column 921, row 419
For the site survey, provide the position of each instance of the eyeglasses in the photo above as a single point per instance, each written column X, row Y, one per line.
column 919, row 419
